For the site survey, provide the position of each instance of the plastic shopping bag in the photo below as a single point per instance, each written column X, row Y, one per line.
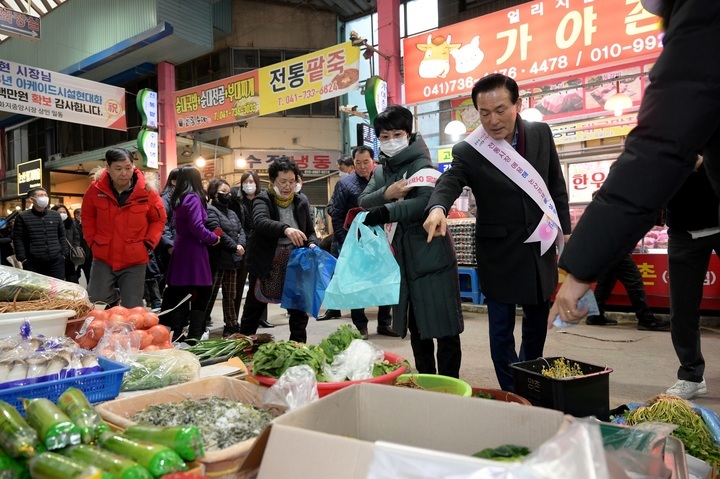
column 307, row 277
column 366, row 273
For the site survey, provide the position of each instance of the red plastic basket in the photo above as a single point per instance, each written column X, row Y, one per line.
column 97, row 387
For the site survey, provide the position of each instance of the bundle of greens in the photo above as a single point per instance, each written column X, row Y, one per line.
column 506, row 453
column 339, row 341
column 273, row 359
column 691, row 429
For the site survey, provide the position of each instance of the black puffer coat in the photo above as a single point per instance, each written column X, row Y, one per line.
column 268, row 229
column 224, row 255
column 39, row 235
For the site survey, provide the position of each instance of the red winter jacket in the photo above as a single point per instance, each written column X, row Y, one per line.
column 121, row 236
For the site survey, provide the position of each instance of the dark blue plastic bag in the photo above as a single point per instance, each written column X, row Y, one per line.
column 306, row 279
column 367, row 273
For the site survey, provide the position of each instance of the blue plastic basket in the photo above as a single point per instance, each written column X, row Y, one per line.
column 97, row 387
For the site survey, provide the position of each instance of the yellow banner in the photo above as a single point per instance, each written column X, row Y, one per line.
column 593, row 129
column 309, row 78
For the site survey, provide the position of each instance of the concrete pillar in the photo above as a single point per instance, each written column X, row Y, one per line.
column 389, row 44
column 166, row 120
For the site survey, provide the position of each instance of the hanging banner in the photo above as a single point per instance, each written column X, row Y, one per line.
column 542, row 39
column 309, row 78
column 217, row 103
column 312, row 162
column 26, row 90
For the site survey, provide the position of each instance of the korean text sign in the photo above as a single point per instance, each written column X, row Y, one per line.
column 217, row 103
column 310, row 161
column 309, row 78
column 537, row 40
column 27, row 90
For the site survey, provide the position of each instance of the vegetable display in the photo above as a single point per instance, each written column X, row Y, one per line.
column 217, row 347
column 11, row 468
column 222, row 422
column 118, row 466
column 157, row 369
column 505, row 453
column 54, row 427
column 156, row 458
column 273, row 359
column 185, row 440
column 74, row 403
column 562, row 368
column 120, row 328
column 50, row 465
column 691, row 429
column 17, row 438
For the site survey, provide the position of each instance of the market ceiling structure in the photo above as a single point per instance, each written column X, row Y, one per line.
column 345, row 9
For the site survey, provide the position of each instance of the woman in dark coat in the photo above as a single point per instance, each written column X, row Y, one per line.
column 429, row 290
column 241, row 203
column 189, row 268
column 227, row 257
column 282, row 222
column 73, row 236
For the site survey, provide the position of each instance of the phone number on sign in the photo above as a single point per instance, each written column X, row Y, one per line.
column 549, row 65
column 309, row 94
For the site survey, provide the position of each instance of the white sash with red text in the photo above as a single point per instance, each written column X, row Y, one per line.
column 504, row 157
column 424, row 177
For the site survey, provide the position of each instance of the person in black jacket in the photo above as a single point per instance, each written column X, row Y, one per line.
column 39, row 237
column 85, row 267
column 693, row 235
column 241, row 203
column 227, row 257
column 72, row 237
column 344, row 198
column 282, row 223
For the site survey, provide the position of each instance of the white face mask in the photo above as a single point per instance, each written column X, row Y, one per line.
column 298, row 187
column 394, row 146
column 343, row 174
column 63, row 216
column 278, row 193
column 42, row 201
column 248, row 188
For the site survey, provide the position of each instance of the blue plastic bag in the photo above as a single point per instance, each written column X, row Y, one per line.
column 307, row 276
column 366, row 274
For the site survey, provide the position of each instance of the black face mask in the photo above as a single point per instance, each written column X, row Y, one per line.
column 223, row 198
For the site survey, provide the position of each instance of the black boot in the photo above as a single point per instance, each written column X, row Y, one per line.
column 197, row 324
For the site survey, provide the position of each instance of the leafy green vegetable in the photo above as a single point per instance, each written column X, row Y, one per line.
column 218, row 347
column 384, row 367
column 483, row 395
column 506, row 453
column 273, row 359
column 339, row 341
column 157, row 369
column 691, row 429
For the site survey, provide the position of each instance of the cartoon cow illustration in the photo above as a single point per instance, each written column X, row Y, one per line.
column 436, row 62
column 468, row 57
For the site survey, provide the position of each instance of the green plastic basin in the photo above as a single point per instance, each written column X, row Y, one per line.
column 435, row 382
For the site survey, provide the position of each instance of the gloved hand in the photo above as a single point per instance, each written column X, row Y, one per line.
column 377, row 216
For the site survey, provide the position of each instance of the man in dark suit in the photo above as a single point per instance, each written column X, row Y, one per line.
column 511, row 269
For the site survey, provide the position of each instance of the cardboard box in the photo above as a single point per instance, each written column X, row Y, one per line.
column 334, row 436
column 216, row 464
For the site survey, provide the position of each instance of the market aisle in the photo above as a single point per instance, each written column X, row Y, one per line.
column 643, row 362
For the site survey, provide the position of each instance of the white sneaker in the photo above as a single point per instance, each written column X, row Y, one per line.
column 687, row 389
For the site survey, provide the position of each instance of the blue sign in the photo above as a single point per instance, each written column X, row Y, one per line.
column 443, row 167
column 19, row 24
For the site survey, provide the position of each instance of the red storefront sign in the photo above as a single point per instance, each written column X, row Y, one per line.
column 540, row 40
column 654, row 270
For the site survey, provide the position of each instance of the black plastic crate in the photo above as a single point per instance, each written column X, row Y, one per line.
column 586, row 395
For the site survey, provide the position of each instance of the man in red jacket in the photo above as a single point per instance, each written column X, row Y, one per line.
column 122, row 220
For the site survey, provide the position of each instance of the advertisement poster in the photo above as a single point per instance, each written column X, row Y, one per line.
column 309, row 78
column 539, row 40
column 593, row 129
column 217, row 103
column 585, row 178
column 31, row 91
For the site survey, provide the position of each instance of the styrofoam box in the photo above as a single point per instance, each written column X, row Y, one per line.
column 45, row 322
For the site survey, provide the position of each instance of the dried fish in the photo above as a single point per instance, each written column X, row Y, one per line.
column 222, row 422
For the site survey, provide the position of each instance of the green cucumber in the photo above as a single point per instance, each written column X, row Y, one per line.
column 49, row 465
column 185, row 440
column 17, row 438
column 156, row 458
column 74, row 403
column 118, row 466
column 54, row 427
column 11, row 468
